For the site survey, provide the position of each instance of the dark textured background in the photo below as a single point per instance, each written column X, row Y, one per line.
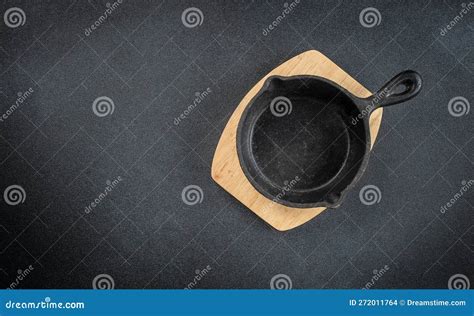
column 151, row 65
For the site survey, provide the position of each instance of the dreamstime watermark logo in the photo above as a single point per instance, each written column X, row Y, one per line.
column 199, row 97
column 377, row 275
column 192, row 195
column 288, row 8
column 370, row 17
column 466, row 8
column 21, row 98
column 200, row 274
column 14, row 195
column 458, row 106
column 103, row 282
column 281, row 106
column 103, row 106
column 110, row 186
column 192, row 17
column 288, row 185
column 370, row 195
column 459, row 282
column 104, row 16
column 14, row 17
column 281, row 282
column 43, row 304
column 21, row 275
column 368, row 108
column 466, row 185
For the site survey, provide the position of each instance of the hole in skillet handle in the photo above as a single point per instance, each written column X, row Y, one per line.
column 401, row 88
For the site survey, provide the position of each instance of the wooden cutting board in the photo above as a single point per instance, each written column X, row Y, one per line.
column 226, row 170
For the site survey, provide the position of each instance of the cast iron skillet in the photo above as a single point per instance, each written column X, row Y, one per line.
column 303, row 141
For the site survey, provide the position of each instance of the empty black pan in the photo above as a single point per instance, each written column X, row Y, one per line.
column 304, row 141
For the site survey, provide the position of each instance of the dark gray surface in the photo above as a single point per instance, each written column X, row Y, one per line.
column 151, row 65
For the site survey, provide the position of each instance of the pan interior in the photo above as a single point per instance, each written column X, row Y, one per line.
column 297, row 143
column 309, row 144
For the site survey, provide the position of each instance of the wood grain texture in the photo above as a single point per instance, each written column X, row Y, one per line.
column 226, row 170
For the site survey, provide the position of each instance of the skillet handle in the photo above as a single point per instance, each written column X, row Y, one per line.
column 400, row 88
